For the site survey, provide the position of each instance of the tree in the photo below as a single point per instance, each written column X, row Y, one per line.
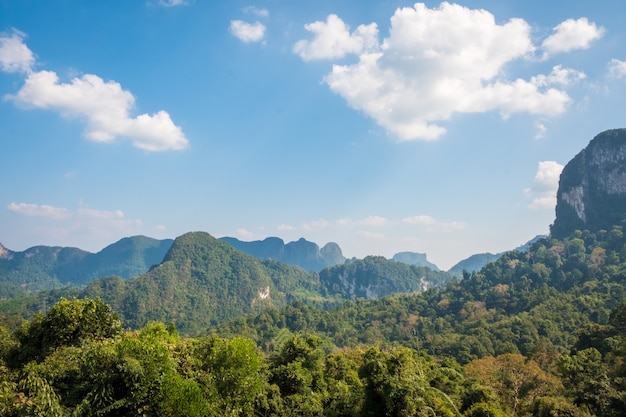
column 66, row 324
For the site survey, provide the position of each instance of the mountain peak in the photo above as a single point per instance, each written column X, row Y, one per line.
column 592, row 186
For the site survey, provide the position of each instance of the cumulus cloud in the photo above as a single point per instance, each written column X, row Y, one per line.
column 285, row 227
column 14, row 54
column 545, row 185
column 332, row 39
column 436, row 63
column 570, row 35
column 617, row 68
column 247, row 32
column 104, row 105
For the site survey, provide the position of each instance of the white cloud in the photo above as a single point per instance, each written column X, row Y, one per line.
column 256, row 11
column 545, row 185
column 570, row 35
column 332, row 39
column 617, row 68
column 344, row 221
column 247, row 32
column 433, row 224
column 172, row 3
column 370, row 235
column 540, row 129
column 14, row 54
column 40, row 210
column 285, row 227
column 559, row 76
column 90, row 226
column 373, row 221
column 315, row 225
column 245, row 234
column 105, row 106
column 421, row 219
column 436, row 63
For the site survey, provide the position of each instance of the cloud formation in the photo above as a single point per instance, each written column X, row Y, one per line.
column 14, row 54
column 546, row 183
column 247, row 32
column 570, row 35
column 332, row 39
column 617, row 68
column 39, row 210
column 434, row 224
column 442, row 61
column 104, row 105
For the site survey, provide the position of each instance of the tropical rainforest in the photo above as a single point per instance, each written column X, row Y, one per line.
column 540, row 332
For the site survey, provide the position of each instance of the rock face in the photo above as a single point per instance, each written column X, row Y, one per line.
column 302, row 253
column 592, row 187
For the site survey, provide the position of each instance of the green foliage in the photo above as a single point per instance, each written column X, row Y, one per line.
column 68, row 323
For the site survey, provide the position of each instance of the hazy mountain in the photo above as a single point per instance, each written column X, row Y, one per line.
column 302, row 253
column 45, row 267
column 476, row 262
column 414, row 258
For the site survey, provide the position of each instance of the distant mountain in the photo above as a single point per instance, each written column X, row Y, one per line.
column 592, row 187
column 476, row 262
column 375, row 276
column 45, row 267
column 203, row 281
column 302, row 253
column 413, row 258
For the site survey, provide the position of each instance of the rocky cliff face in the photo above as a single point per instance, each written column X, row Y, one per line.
column 592, row 187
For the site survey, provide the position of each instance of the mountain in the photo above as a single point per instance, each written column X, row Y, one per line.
column 413, row 258
column 307, row 255
column 203, row 281
column 476, row 262
column 592, row 186
column 374, row 277
column 45, row 267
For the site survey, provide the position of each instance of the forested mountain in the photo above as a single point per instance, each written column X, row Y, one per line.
column 204, row 281
column 43, row 267
column 375, row 277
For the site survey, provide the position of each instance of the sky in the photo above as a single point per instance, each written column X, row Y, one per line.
column 384, row 126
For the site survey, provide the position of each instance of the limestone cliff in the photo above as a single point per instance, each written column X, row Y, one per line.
column 592, row 186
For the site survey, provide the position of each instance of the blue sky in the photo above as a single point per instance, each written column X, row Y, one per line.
column 383, row 126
